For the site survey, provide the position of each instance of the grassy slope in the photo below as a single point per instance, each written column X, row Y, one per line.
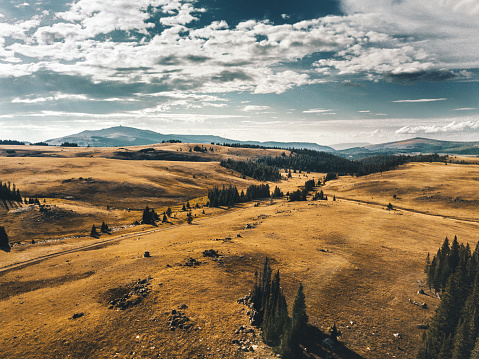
column 373, row 265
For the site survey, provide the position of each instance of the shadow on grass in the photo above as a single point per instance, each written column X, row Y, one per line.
column 313, row 342
column 6, row 248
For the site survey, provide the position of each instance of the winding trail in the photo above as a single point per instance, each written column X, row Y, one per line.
column 22, row 264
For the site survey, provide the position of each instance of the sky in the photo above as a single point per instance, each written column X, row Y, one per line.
column 324, row 71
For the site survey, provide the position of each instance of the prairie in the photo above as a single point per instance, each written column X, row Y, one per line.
column 358, row 262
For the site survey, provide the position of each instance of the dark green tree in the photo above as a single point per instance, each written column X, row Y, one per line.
column 3, row 238
column 93, row 232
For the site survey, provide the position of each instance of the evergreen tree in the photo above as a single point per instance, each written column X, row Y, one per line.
column 104, row 228
column 93, row 232
column 3, row 238
column 168, row 212
column 189, row 218
column 164, row 219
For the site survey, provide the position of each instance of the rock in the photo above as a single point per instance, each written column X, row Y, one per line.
column 238, row 235
column 211, row 253
column 397, row 335
column 147, row 254
column 77, row 315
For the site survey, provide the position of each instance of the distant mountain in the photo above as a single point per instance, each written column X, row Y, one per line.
column 129, row 136
column 346, row 146
column 416, row 145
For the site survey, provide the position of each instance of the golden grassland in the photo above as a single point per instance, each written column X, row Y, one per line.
column 359, row 264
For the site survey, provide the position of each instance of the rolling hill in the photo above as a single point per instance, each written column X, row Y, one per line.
column 129, row 136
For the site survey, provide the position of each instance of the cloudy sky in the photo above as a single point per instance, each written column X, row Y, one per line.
column 325, row 71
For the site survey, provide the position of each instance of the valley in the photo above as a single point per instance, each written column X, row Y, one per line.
column 361, row 264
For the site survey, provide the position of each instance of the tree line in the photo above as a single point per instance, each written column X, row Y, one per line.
column 229, row 196
column 257, row 170
column 315, row 161
column 454, row 328
column 9, row 192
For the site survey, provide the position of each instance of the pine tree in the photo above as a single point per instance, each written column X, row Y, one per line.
column 168, row 212
column 93, row 232
column 104, row 228
column 3, row 238
column 299, row 317
column 164, row 219
column 189, row 218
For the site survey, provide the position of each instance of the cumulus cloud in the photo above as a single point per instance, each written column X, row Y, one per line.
column 454, row 126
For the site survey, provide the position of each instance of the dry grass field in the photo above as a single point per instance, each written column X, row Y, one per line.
column 359, row 262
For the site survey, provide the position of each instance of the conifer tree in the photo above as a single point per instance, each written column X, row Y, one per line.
column 93, row 232
column 189, row 218
column 168, row 212
column 104, row 228
column 3, row 238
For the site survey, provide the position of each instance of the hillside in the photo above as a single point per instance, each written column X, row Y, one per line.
column 416, row 145
column 128, row 136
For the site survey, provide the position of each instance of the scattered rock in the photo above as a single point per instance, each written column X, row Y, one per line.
column 147, row 254
column 178, row 320
column 397, row 335
column 77, row 315
column 238, row 235
column 191, row 262
column 211, row 253
column 419, row 304
column 132, row 297
column 248, row 226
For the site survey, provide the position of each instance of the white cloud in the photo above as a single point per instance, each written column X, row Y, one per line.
column 318, row 111
column 255, row 108
column 465, row 109
column 453, row 126
column 421, row 100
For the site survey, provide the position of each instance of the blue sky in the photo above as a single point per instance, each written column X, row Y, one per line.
column 320, row 71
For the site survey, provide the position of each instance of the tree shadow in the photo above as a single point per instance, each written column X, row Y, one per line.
column 312, row 341
column 6, row 248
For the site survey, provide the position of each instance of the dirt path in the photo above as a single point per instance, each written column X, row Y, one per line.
column 22, row 264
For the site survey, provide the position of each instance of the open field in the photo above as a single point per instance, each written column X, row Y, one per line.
column 359, row 264
column 431, row 188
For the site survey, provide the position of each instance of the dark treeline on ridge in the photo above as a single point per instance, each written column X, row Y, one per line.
column 229, row 196
column 256, row 170
column 11, row 142
column 454, row 328
column 266, row 168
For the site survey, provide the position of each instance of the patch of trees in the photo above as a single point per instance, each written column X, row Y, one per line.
column 11, row 142
column 277, row 193
column 257, row 170
column 200, row 149
column 171, row 141
column 271, row 313
column 9, row 192
column 229, row 196
column 149, row 216
column 454, row 328
column 301, row 194
column 315, row 161
column 40, row 144
column 69, row 144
